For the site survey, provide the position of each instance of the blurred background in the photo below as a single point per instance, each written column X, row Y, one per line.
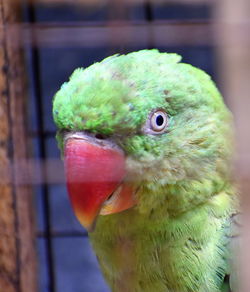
column 57, row 36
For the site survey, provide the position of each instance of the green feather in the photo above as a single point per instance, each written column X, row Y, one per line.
column 173, row 239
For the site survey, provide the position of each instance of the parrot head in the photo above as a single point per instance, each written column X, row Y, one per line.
column 141, row 130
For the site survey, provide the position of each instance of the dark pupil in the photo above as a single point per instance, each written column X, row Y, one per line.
column 159, row 120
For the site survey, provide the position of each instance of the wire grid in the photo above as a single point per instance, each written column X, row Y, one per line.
column 194, row 30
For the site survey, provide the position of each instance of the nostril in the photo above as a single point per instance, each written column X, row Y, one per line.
column 100, row 136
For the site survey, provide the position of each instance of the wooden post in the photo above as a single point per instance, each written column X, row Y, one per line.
column 233, row 39
column 17, row 256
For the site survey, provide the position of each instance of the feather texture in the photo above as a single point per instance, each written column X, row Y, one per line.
column 173, row 240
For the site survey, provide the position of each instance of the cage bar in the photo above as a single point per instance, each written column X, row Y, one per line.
column 233, row 55
column 17, row 253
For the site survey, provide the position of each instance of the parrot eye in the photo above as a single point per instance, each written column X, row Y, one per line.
column 156, row 123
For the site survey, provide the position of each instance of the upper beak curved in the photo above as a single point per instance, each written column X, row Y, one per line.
column 95, row 170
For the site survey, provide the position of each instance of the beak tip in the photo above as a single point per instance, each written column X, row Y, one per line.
column 88, row 223
column 90, row 227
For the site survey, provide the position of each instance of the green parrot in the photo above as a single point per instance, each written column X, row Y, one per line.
column 147, row 146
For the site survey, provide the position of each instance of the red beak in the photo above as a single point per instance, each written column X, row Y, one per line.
column 94, row 171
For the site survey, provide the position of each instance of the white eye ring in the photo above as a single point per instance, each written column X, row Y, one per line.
column 158, row 121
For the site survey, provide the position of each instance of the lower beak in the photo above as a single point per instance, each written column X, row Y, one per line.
column 95, row 175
